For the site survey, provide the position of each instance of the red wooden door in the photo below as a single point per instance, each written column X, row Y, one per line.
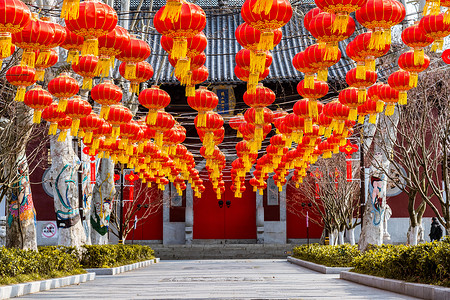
column 238, row 221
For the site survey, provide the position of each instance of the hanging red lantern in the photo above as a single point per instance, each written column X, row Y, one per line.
column 45, row 64
column 321, row 27
column 118, row 115
column 103, row 131
column 13, row 48
column 196, row 76
column 370, row 108
column 267, row 22
column 38, row 99
column 318, row 90
column 250, row 116
column 361, row 84
column 184, row 65
column 14, row 17
column 86, row 68
column 407, row 62
column 340, row 113
column 21, row 77
column 342, row 9
column 445, row 56
column 350, row 97
column 324, row 122
column 214, row 121
column 144, row 71
column 202, row 102
column 247, row 59
column 58, row 38
column 164, row 121
column 195, row 45
column 88, row 26
column 434, row 27
column 310, row 15
column 109, row 46
column 191, row 21
column 88, row 124
column 399, row 80
column 77, row 109
column 106, row 94
column 52, row 115
column 373, row 93
column 73, row 44
column 390, row 97
column 154, row 99
column 63, row 87
column 35, row 36
column 415, row 38
column 261, row 98
column 245, row 75
column 127, row 131
column 136, row 51
column 302, row 108
column 235, row 122
column 302, row 64
column 380, row 16
column 249, row 37
column 317, row 58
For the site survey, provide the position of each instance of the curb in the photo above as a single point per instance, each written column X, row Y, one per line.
column 121, row 269
column 21, row 289
column 316, row 267
column 424, row 291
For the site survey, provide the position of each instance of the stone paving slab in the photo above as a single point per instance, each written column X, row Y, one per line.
column 220, row 279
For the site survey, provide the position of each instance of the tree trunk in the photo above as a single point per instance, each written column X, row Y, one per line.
column 87, row 188
column 63, row 173
column 351, row 236
column 413, row 235
column 341, row 238
column 103, row 197
column 332, row 238
column 373, row 220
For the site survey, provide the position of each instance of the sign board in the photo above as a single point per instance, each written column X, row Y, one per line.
column 49, row 230
column 227, row 100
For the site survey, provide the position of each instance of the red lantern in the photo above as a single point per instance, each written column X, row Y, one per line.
column 261, row 98
column 247, row 60
column 191, row 21
column 63, row 87
column 127, row 131
column 136, row 51
column 184, row 65
column 250, row 116
column 144, row 71
column 317, row 58
column 361, row 84
column 244, row 75
column 104, row 130
column 107, row 94
column 318, row 90
column 77, row 109
column 109, row 46
column 407, row 62
column 14, row 17
column 350, row 97
column 310, row 15
column 164, row 121
column 196, row 76
column 202, row 102
column 266, row 21
column 302, row 108
column 154, row 99
column 321, row 27
column 38, row 99
column 342, row 9
column 370, row 107
column 415, row 38
column 445, row 56
column 35, row 36
column 21, row 76
column 302, row 64
column 88, row 124
column 213, row 122
column 380, row 16
column 87, row 24
column 44, row 64
column 373, row 93
column 52, row 115
column 399, row 80
column 434, row 27
column 249, row 37
column 73, row 44
column 86, row 68
column 195, row 45
column 324, row 122
column 340, row 113
column 118, row 115
column 63, row 126
column 390, row 97
column 59, row 37
column 235, row 122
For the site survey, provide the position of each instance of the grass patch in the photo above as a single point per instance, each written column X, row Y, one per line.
column 6, row 280
column 330, row 256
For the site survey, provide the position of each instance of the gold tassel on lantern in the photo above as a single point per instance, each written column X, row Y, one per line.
column 62, row 105
column 322, row 75
column 43, row 57
column 115, row 132
column 103, row 66
column 134, row 88
column 70, row 9
column 182, row 67
column 327, row 133
column 308, row 125
column 88, row 136
column 87, row 83
column 360, row 70
column 37, row 116
column 104, row 112
column 201, row 120
column 159, row 139
column 62, row 136
column 5, row 44
column 432, row 7
column 340, row 127
column 438, row 44
column 447, row 17
column 171, row 11
column 361, row 119
column 370, row 65
column 387, row 37
column 20, row 94
column 257, row 61
column 262, row 6
column 52, row 129
column 253, row 79
column 390, row 108
column 352, row 115
column 309, row 81
column 340, row 23
column 259, row 134
column 419, row 57
column 75, row 126
column 266, row 41
column 321, row 130
column 313, row 108
column 331, row 51
column 362, row 95
column 179, row 49
column 151, row 117
column 72, row 57
column 413, row 79
column 327, row 154
column 380, row 106
column 372, row 118
column 190, row 91
column 403, row 98
column 39, row 74
column 90, row 46
column 28, row 58
column 377, row 40
column 130, row 71
column 259, row 116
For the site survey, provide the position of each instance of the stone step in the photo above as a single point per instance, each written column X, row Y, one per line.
column 222, row 251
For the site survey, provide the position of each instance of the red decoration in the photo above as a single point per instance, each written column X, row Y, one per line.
column 63, row 126
column 88, row 124
column 446, row 56
column 434, row 27
column 361, row 84
column 202, row 102
column 399, row 80
column 21, row 76
column 73, row 44
column 77, row 108
column 63, row 87
column 86, row 68
column 118, row 115
column 106, row 94
column 38, row 99
column 318, row 90
column 13, row 48
column 342, row 9
column 136, row 51
column 52, row 115
column 164, row 121
column 196, row 76
column 408, row 62
column 154, row 99
column 88, row 26
column 249, row 37
column 44, row 64
column 14, row 17
column 144, row 71
column 302, row 64
column 390, row 97
column 317, row 58
column 109, row 46
column 415, row 38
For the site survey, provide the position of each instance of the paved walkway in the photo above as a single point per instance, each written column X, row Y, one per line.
column 219, row 279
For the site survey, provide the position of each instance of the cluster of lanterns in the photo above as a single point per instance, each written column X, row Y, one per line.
column 153, row 145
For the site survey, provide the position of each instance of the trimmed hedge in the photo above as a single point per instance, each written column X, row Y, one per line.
column 424, row 263
column 330, row 256
column 107, row 256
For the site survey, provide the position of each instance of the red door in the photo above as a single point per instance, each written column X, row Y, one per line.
column 238, row 221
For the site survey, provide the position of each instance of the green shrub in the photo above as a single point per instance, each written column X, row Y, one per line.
column 331, row 256
column 106, row 256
